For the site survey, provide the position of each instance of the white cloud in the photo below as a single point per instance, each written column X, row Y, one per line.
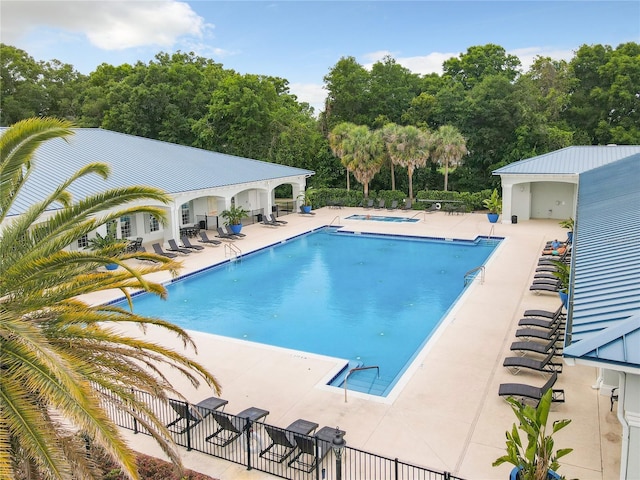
column 528, row 55
column 424, row 64
column 312, row 93
column 108, row 25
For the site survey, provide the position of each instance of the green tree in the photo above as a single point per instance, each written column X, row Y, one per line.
column 338, row 142
column 409, row 148
column 63, row 359
column 480, row 62
column 347, row 84
column 449, row 149
column 365, row 150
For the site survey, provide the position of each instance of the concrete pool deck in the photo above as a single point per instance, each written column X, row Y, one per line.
column 447, row 414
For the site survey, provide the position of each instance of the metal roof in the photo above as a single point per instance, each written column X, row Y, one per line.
column 605, row 322
column 569, row 160
column 136, row 160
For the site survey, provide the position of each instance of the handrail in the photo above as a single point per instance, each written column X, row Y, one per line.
column 467, row 275
column 491, row 232
column 355, row 370
column 337, row 217
column 233, row 250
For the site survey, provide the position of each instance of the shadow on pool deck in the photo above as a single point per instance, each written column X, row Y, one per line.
column 448, row 415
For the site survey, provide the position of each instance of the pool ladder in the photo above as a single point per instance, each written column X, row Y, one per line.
column 355, row 370
column 231, row 250
column 336, row 218
column 470, row 275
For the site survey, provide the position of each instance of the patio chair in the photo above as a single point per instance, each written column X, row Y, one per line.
column 369, row 203
column 545, row 287
column 407, row 204
column 393, row 206
column 224, row 235
column 544, row 365
column 282, row 441
column 273, row 218
column 306, row 459
column 539, row 333
column 186, row 243
column 230, row 427
column 192, row 415
column 134, row 246
column 173, row 247
column 269, row 223
column 542, row 318
column 380, row 205
column 532, row 346
column 158, row 249
column 227, row 230
column 543, row 313
column 205, row 239
column 529, row 392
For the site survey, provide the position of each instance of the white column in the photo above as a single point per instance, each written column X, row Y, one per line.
column 507, row 198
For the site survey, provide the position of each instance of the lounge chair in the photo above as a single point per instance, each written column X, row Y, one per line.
column 205, row 239
column 521, row 390
column 407, row 205
column 380, row 205
column 194, row 414
column 227, row 229
column 542, row 318
column 273, row 218
column 134, row 246
column 231, row 427
column 545, row 287
column 187, row 244
column 158, row 249
column 532, row 346
column 173, row 247
column 270, row 223
column 369, row 203
column 306, row 459
column 283, row 443
column 544, row 313
column 224, row 235
column 544, row 365
column 539, row 333
column 393, row 206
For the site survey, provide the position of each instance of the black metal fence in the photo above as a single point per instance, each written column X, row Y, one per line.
column 274, row 450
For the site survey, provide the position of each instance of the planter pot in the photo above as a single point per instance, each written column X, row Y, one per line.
column 306, row 208
column 516, row 471
column 236, row 228
column 493, row 217
column 111, row 266
column 564, row 297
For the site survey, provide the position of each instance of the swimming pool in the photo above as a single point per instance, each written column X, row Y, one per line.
column 372, row 300
column 380, row 218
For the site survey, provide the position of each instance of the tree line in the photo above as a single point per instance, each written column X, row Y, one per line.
column 501, row 113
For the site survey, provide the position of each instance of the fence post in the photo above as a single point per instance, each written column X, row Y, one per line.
column 395, row 468
column 135, row 420
column 248, row 435
column 188, row 426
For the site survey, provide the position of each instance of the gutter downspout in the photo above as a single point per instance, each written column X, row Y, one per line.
column 624, row 454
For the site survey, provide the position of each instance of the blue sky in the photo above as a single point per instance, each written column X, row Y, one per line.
column 302, row 40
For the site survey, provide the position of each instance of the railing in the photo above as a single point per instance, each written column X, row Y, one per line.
column 491, row 232
column 337, row 217
column 270, row 449
column 355, row 370
column 232, row 251
column 469, row 276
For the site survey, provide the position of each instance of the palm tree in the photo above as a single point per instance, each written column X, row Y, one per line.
column 410, row 149
column 450, row 148
column 389, row 134
column 61, row 359
column 337, row 138
column 366, row 151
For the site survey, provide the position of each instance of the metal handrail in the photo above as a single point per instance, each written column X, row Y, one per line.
column 491, row 232
column 467, row 275
column 355, row 370
column 337, row 217
column 233, row 250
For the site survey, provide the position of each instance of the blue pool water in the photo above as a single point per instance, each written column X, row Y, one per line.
column 372, row 300
column 380, row 218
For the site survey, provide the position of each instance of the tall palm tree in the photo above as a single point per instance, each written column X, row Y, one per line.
column 389, row 134
column 365, row 149
column 61, row 359
column 450, row 147
column 337, row 138
column 410, row 149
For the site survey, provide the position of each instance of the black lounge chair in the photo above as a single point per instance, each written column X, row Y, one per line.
column 173, row 247
column 539, row 333
column 283, row 443
column 380, row 205
column 306, row 459
column 521, row 390
column 205, row 239
column 407, row 204
column 273, row 218
column 227, row 229
column 231, row 427
column 158, row 249
column 545, row 365
column 193, row 415
column 531, row 346
column 545, row 287
column 543, row 320
column 269, row 223
column 393, row 206
column 369, row 203
column 224, row 235
column 543, row 313
column 187, row 244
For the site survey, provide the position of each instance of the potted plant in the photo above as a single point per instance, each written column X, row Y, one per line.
column 562, row 273
column 234, row 216
column 535, row 459
column 109, row 245
column 568, row 224
column 306, row 201
column 494, row 205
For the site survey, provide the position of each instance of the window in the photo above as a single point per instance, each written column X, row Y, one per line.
column 186, row 214
column 125, row 227
column 83, row 241
column 154, row 225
